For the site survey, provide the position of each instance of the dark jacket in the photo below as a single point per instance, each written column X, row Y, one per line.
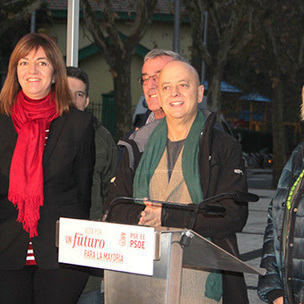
column 105, row 163
column 68, row 163
column 221, row 170
column 285, row 275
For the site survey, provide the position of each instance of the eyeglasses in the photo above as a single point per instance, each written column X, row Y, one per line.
column 144, row 79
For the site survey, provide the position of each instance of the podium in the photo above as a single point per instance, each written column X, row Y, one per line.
column 175, row 252
column 166, row 284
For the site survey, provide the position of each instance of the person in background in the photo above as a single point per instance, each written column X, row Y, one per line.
column 47, row 159
column 154, row 61
column 283, row 251
column 106, row 158
column 165, row 172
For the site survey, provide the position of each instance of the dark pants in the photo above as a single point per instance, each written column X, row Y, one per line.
column 33, row 285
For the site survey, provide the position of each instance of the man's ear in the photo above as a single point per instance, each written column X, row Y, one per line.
column 87, row 101
column 200, row 93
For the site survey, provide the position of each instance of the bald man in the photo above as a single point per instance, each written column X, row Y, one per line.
column 186, row 160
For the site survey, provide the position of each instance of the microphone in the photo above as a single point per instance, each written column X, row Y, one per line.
column 245, row 197
column 206, row 208
column 238, row 196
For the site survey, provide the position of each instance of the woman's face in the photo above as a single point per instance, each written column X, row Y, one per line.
column 35, row 74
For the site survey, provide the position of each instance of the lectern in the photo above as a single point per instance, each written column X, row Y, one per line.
column 165, row 286
column 176, row 253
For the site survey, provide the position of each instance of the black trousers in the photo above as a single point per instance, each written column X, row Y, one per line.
column 33, row 285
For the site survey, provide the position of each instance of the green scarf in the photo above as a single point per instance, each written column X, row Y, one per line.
column 154, row 150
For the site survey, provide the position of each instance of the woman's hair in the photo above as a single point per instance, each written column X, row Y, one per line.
column 60, row 87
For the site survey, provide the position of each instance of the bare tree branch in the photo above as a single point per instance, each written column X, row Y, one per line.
column 143, row 20
column 118, row 48
column 91, row 21
column 110, row 27
column 13, row 14
column 195, row 11
column 228, row 19
column 246, row 35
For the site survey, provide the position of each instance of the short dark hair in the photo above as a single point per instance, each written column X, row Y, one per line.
column 80, row 74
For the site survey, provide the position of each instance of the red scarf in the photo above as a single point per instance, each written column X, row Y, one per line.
column 30, row 118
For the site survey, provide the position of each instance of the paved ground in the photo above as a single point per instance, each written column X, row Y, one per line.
column 251, row 239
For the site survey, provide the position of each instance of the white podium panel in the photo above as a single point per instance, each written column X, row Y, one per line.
column 104, row 245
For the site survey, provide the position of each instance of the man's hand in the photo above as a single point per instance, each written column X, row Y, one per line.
column 151, row 216
column 279, row 300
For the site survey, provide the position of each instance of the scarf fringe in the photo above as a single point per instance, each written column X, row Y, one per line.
column 29, row 211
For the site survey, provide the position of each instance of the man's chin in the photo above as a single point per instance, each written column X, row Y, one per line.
column 153, row 104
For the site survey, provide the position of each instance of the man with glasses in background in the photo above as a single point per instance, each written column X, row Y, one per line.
column 154, row 61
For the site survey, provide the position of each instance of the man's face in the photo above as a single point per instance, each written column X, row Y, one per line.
column 152, row 67
column 78, row 89
column 179, row 91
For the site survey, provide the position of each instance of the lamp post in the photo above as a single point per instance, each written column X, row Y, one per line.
column 33, row 22
column 176, row 34
column 205, row 22
column 72, row 33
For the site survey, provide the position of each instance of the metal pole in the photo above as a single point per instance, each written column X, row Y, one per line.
column 33, row 22
column 205, row 21
column 176, row 34
column 72, row 33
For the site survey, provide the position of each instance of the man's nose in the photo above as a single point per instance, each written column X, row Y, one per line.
column 152, row 82
column 175, row 91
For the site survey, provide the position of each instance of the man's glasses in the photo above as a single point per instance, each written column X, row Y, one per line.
column 144, row 79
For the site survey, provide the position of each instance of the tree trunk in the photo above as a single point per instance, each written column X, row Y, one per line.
column 122, row 93
column 278, row 133
column 214, row 94
column 214, row 87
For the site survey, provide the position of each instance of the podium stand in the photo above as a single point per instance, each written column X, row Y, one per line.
column 143, row 265
column 165, row 286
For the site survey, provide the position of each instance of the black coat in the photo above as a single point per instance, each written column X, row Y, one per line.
column 68, row 163
column 285, row 275
column 221, row 171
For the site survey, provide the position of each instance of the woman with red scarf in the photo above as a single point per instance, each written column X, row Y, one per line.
column 47, row 157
